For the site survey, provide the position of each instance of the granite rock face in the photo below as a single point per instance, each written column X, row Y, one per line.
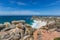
column 1, row 27
column 17, row 30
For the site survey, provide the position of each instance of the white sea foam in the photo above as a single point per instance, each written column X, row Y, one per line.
column 38, row 24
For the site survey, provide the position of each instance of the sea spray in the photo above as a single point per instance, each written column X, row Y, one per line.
column 38, row 23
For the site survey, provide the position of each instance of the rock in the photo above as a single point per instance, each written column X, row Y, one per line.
column 12, row 26
column 20, row 25
column 13, row 34
column 22, row 21
column 28, row 29
column 14, row 37
column 51, row 22
column 6, row 36
column 1, row 27
column 53, row 29
column 28, row 26
column 8, row 28
column 58, row 30
column 26, row 37
column 17, row 37
column 15, row 31
column 17, row 22
column 7, row 24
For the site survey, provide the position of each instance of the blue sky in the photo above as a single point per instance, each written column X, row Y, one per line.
column 29, row 7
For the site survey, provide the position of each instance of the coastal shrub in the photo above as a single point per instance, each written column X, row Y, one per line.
column 57, row 38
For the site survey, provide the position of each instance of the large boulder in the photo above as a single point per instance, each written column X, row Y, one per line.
column 1, row 27
column 20, row 25
column 8, row 28
column 58, row 30
column 28, row 26
column 17, row 22
column 10, row 35
column 7, row 24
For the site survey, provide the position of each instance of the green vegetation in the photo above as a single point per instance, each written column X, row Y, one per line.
column 57, row 38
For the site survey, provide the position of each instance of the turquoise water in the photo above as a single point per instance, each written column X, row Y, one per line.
column 11, row 18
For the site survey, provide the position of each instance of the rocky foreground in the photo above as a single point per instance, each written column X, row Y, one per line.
column 16, row 30
column 20, row 30
column 49, row 31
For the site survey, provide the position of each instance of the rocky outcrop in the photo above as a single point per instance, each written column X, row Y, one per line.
column 1, row 27
column 20, row 30
column 7, row 24
column 17, row 22
column 17, row 30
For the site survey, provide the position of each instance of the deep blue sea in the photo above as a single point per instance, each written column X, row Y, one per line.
column 11, row 18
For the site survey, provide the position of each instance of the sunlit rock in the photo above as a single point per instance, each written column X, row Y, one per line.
column 20, row 25
column 17, row 22
column 7, row 24
column 18, row 32
column 28, row 26
column 29, row 29
column 1, row 25
column 51, row 22
column 58, row 30
column 8, row 28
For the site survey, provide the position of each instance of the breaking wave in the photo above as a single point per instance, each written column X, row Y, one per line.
column 38, row 24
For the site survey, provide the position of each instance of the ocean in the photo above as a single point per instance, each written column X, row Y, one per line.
column 12, row 18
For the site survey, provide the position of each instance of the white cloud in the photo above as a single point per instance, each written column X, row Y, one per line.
column 23, row 12
column 6, row 8
column 21, row 3
column 18, row 3
column 29, row 12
